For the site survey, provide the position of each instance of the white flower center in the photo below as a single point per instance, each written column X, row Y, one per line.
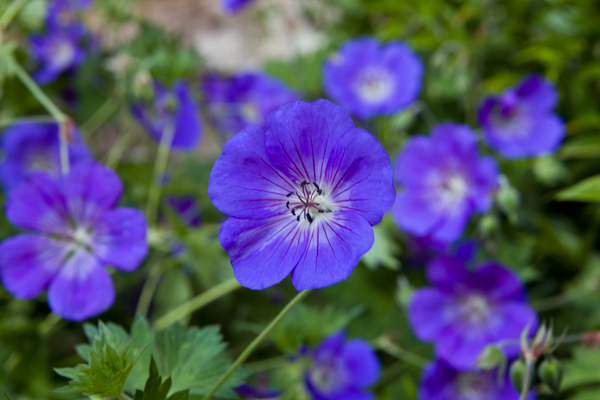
column 474, row 385
column 310, row 202
column 453, row 190
column 374, row 86
column 475, row 309
column 63, row 53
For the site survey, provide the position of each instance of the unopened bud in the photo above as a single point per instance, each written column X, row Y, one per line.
column 518, row 370
column 490, row 358
column 550, row 372
column 488, row 224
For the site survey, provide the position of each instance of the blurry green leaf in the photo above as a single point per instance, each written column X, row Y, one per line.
column 175, row 288
column 581, row 146
column 587, row 190
column 581, row 370
column 385, row 250
column 508, row 199
column 33, row 13
column 550, row 171
column 309, row 325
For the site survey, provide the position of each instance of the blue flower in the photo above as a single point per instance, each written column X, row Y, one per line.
column 371, row 79
column 58, row 49
column 441, row 381
column 245, row 99
column 176, row 110
column 520, row 123
column 302, row 194
column 76, row 231
column 444, row 181
column 467, row 310
column 342, row 370
column 30, row 147
column 234, row 6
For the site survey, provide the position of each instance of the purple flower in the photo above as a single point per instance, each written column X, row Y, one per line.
column 467, row 310
column 57, row 50
column 444, row 181
column 245, row 99
column 342, row 370
column 31, row 147
column 186, row 208
column 234, row 6
column 177, row 110
column 76, row 231
column 371, row 79
column 441, row 381
column 519, row 123
column 303, row 194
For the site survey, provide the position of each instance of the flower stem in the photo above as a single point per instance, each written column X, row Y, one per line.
column 100, row 117
column 160, row 165
column 385, row 344
column 148, row 290
column 527, row 380
column 192, row 305
column 248, row 350
column 52, row 109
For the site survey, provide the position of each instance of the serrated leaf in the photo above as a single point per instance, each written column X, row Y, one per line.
column 587, row 190
column 155, row 389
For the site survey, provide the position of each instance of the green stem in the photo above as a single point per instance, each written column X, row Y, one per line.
column 116, row 152
column 148, row 290
column 192, row 305
column 248, row 350
column 527, row 380
column 99, row 118
column 384, row 343
column 36, row 118
column 52, row 109
column 48, row 324
column 160, row 165
column 11, row 11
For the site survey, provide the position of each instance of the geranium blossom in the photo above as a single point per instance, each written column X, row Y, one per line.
column 244, row 99
column 371, row 79
column 30, row 147
column 441, row 381
column 342, row 370
column 234, row 6
column 76, row 231
column 520, row 122
column 171, row 110
column 302, row 194
column 443, row 182
column 466, row 310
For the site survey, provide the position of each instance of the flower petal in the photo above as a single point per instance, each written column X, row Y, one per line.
column 414, row 213
column 244, row 183
column 89, row 190
column 360, row 181
column 548, row 132
column 119, row 238
column 335, row 246
column 300, row 136
column 537, row 92
column 264, row 251
column 28, row 263
column 82, row 289
column 38, row 205
column 362, row 362
column 188, row 127
column 427, row 313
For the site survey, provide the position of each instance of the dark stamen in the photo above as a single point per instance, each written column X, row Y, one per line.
column 293, row 211
column 298, row 219
column 309, row 218
column 304, row 183
column 289, row 194
column 287, row 205
column 318, row 188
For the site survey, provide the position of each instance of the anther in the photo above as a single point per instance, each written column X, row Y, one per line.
column 293, row 211
column 318, row 188
column 287, row 205
column 289, row 194
column 309, row 218
column 298, row 219
column 304, row 183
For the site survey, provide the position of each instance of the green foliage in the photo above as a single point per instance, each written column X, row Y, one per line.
column 385, row 250
column 117, row 360
column 587, row 190
column 33, row 13
column 156, row 389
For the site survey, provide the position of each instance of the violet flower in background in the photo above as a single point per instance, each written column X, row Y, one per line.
column 187, row 210
column 244, row 99
column 250, row 392
column 76, row 231
column 520, row 123
column 371, row 79
column 171, row 110
column 441, row 381
column 302, row 194
column 443, row 182
column 467, row 310
column 30, row 147
column 57, row 50
column 342, row 370
column 234, row 6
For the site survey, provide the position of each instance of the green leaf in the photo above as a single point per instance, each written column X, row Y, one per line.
column 581, row 147
column 385, row 250
column 587, row 190
column 156, row 389
column 581, row 371
column 33, row 13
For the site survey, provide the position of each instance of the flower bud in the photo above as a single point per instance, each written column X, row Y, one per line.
column 518, row 370
column 551, row 373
